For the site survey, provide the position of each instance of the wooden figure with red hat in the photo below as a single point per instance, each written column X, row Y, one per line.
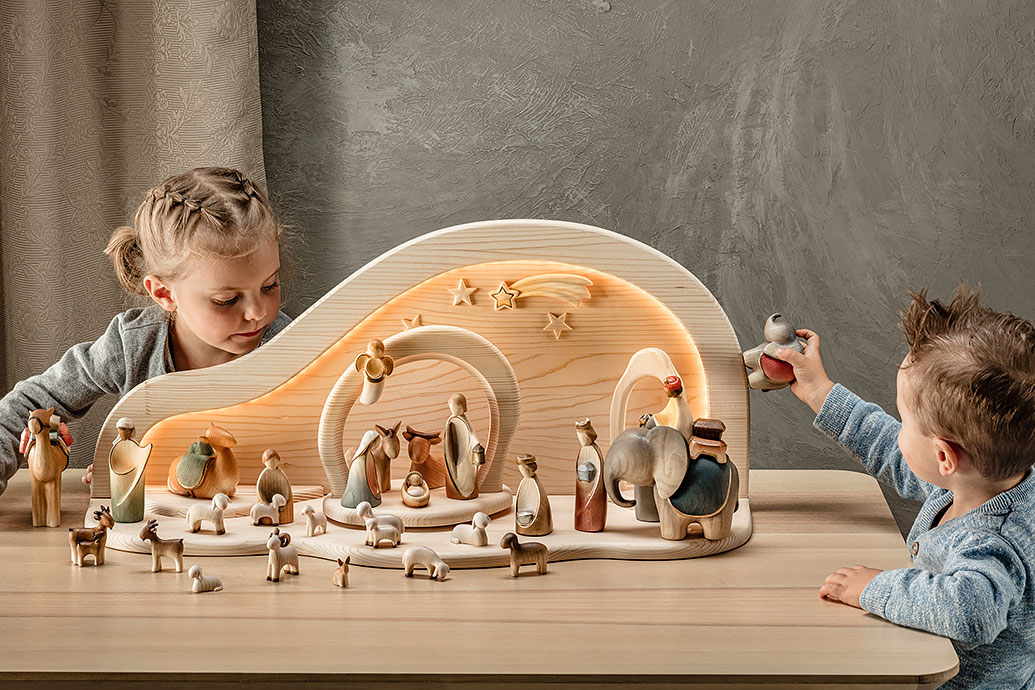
column 767, row 373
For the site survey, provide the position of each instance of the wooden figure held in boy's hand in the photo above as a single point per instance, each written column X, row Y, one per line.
column 461, row 451
column 203, row 248
column 46, row 453
column 767, row 372
column 590, row 495
column 375, row 366
column 418, row 447
column 208, row 467
column 272, row 481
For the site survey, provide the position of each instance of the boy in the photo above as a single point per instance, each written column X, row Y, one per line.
column 965, row 446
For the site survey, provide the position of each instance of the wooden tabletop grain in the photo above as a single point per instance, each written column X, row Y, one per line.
column 747, row 618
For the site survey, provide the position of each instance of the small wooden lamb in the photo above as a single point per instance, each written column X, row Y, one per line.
column 523, row 554
column 340, row 577
column 268, row 513
column 377, row 532
column 365, row 511
column 283, row 556
column 423, row 556
column 473, row 534
column 162, row 548
column 203, row 583
column 315, row 521
column 214, row 514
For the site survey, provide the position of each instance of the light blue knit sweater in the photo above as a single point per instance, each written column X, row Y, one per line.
column 973, row 579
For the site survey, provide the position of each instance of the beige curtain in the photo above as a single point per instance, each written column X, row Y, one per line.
column 99, row 101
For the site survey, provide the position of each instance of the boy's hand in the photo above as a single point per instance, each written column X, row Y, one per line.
column 811, row 383
column 846, row 585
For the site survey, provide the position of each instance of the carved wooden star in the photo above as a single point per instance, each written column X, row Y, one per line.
column 462, row 293
column 504, row 297
column 412, row 323
column 557, row 324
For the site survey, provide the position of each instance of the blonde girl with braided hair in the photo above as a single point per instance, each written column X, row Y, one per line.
column 204, row 250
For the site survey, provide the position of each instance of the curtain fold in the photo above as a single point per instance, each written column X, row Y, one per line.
column 99, row 101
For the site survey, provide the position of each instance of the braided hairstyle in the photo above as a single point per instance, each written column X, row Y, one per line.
column 209, row 211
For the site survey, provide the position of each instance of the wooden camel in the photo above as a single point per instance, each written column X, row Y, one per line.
column 46, row 460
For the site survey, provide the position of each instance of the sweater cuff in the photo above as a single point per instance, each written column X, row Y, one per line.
column 874, row 597
column 838, row 406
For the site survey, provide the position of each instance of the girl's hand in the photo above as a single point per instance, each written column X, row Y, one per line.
column 811, row 383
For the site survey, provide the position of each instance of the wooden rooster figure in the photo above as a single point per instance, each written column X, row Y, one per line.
column 677, row 412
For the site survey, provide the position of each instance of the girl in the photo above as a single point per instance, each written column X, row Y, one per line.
column 204, row 247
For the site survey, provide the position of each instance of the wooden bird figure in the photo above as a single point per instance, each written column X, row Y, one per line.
column 677, row 412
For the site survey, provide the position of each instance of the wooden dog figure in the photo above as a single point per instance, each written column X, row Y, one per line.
column 47, row 459
column 283, row 556
column 524, row 554
column 91, row 540
column 427, row 558
column 162, row 548
column 340, row 577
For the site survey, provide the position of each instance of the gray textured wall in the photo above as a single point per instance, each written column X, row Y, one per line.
column 816, row 158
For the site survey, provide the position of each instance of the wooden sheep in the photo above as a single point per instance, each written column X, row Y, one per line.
column 473, row 534
column 283, row 556
column 365, row 511
column 523, row 554
column 423, row 556
column 340, row 577
column 214, row 514
column 203, row 583
column 268, row 513
column 162, row 548
column 315, row 521
column 376, row 533
column 91, row 540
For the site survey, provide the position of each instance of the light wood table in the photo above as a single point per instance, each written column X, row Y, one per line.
column 747, row 618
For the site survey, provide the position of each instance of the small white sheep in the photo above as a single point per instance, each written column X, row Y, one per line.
column 473, row 534
column 366, row 512
column 423, row 556
column 203, row 583
column 314, row 520
column 376, row 533
column 214, row 514
column 268, row 513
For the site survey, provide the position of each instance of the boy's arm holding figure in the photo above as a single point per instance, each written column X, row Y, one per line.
column 71, row 385
column 863, row 429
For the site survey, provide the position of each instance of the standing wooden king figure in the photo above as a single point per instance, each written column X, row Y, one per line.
column 590, row 496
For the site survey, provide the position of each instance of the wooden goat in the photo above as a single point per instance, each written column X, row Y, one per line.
column 162, row 548
column 283, row 556
column 86, row 541
column 523, row 554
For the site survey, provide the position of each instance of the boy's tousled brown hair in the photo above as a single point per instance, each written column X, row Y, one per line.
column 972, row 371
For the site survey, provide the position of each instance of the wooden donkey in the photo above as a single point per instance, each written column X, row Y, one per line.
column 386, row 450
column 91, row 540
column 46, row 460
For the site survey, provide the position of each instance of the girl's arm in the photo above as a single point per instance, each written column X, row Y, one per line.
column 71, row 385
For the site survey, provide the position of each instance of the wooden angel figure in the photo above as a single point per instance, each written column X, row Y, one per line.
column 362, row 482
column 386, row 450
column 531, row 504
column 375, row 366
column 766, row 372
column 462, row 453
column 590, row 495
column 677, row 412
column 207, row 468
column 418, row 447
column 45, row 448
column 273, row 481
